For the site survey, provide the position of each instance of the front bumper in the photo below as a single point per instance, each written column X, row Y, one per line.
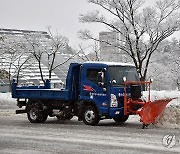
column 116, row 112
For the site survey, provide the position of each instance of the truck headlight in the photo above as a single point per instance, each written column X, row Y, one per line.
column 114, row 102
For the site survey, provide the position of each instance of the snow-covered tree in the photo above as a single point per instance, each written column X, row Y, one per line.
column 47, row 49
column 92, row 55
column 174, row 62
column 141, row 28
column 14, row 56
column 56, row 45
column 36, row 45
column 164, row 66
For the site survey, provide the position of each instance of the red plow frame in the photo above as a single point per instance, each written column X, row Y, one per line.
column 147, row 110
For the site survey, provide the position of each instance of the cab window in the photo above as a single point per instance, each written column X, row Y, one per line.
column 92, row 75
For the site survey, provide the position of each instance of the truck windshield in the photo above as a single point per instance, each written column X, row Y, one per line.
column 116, row 74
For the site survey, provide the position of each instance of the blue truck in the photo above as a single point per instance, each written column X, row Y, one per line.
column 93, row 91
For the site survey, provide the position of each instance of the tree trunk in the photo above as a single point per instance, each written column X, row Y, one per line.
column 144, row 88
column 40, row 69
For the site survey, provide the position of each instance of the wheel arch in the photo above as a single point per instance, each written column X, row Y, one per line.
column 35, row 101
column 88, row 103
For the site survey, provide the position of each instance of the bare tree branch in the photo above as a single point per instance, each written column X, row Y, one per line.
column 142, row 29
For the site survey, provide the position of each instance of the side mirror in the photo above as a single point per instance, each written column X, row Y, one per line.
column 113, row 82
column 101, row 78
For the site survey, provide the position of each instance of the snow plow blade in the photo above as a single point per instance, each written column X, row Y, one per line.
column 147, row 110
column 151, row 110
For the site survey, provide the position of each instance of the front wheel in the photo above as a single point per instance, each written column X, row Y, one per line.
column 35, row 115
column 90, row 116
column 121, row 119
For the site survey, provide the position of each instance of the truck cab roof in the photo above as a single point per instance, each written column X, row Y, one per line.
column 105, row 64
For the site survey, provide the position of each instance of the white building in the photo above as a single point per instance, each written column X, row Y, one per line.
column 108, row 46
column 30, row 73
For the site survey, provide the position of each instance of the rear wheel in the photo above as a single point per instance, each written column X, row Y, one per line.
column 90, row 116
column 121, row 119
column 35, row 114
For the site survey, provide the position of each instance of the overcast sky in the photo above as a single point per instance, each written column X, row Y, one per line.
column 61, row 15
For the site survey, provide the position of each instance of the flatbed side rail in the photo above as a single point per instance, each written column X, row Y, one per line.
column 39, row 92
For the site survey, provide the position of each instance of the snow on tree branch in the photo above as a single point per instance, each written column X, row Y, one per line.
column 142, row 29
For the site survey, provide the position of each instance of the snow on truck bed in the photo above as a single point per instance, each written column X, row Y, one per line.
column 169, row 119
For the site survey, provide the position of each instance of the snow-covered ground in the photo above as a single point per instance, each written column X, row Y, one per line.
column 6, row 102
column 169, row 119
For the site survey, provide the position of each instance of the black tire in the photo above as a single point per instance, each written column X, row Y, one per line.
column 90, row 116
column 35, row 114
column 121, row 119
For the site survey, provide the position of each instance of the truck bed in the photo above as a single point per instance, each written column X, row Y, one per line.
column 39, row 92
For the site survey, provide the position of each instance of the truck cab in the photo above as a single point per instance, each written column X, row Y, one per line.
column 102, row 90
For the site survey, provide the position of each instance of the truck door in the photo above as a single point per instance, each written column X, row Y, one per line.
column 93, row 89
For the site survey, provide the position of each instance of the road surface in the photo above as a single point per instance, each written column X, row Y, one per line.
column 18, row 135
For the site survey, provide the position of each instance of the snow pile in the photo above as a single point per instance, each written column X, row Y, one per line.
column 7, row 104
column 170, row 118
column 156, row 95
column 6, row 101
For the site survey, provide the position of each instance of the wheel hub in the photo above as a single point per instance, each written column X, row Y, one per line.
column 89, row 116
column 33, row 113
